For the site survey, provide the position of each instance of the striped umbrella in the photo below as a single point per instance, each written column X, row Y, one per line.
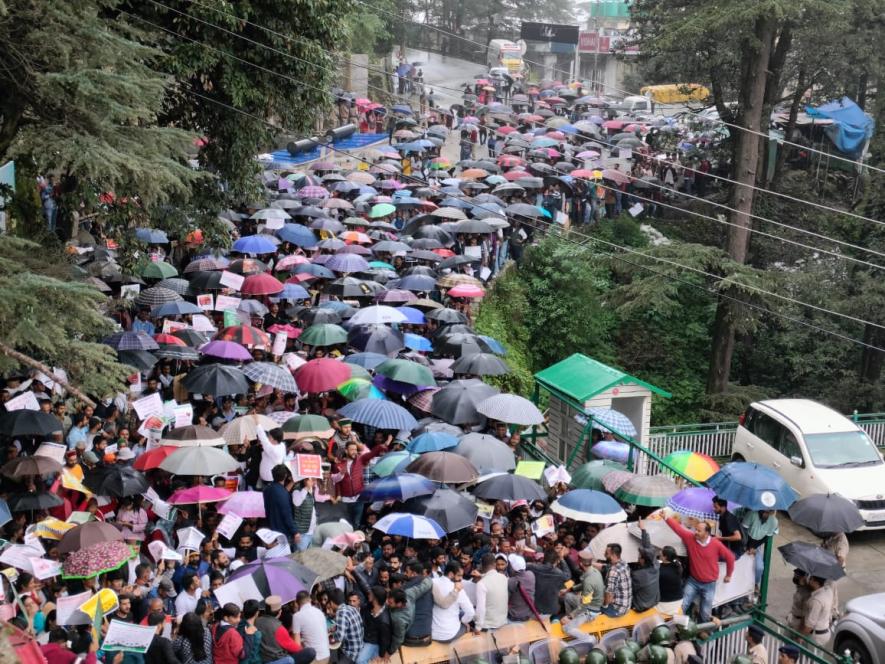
column 313, row 191
column 423, row 400
column 180, row 286
column 613, row 480
column 154, row 297
column 411, row 526
column 175, row 352
column 379, row 414
column 589, row 476
column 608, row 419
column 267, row 373
column 401, row 486
column 647, row 490
column 695, row 501
column 131, row 341
column 245, row 335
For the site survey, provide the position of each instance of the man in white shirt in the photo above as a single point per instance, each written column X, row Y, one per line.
column 452, row 609
column 189, row 596
column 491, row 596
column 309, row 626
column 273, row 452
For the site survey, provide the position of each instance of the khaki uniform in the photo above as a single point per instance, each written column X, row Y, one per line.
column 758, row 654
column 819, row 613
column 797, row 611
column 837, row 545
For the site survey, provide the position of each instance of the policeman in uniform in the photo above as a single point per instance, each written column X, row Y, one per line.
column 788, row 654
column 757, row 652
column 800, row 599
column 819, row 610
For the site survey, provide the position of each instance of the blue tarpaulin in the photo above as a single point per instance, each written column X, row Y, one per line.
column 851, row 127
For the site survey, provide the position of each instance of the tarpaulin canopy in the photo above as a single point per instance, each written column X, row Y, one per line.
column 851, row 127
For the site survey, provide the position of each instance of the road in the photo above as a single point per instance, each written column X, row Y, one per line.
column 445, row 75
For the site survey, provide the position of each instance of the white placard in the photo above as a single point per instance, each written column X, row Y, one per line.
column 189, row 538
column 129, row 292
column 54, row 451
column 152, row 404
column 24, row 401
column 473, row 251
column 206, row 301
column 279, row 344
column 238, row 591
column 151, row 495
column 124, row 636
column 274, row 223
column 161, row 508
column 485, row 273
column 269, row 536
column 160, row 551
column 227, row 303
column 229, row 526
column 20, row 555
column 45, row 569
column 184, row 415
column 625, row 153
column 635, row 210
column 232, row 280
column 743, row 580
column 202, row 323
column 67, row 609
column 280, row 550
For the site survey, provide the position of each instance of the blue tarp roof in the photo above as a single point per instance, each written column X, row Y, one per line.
column 851, row 127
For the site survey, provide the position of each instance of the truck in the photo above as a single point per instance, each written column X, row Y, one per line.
column 505, row 53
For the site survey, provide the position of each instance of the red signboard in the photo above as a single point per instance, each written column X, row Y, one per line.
column 593, row 42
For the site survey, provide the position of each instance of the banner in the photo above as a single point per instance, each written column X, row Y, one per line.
column 549, row 32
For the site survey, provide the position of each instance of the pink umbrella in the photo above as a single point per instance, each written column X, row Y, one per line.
column 612, row 124
column 198, row 494
column 618, row 177
column 321, row 375
column 291, row 331
column 466, row 290
column 261, row 284
column 247, row 504
column 290, row 261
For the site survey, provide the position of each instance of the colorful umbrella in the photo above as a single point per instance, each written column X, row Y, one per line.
column 277, row 576
column 359, row 388
column 245, row 335
column 589, row 506
column 246, row 504
column 96, row 559
column 693, row 465
column 153, row 458
column 401, row 486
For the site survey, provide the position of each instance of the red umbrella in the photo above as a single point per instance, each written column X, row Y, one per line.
column 169, row 339
column 516, row 175
column 261, row 284
column 466, row 290
column 245, row 335
column 153, row 458
column 321, row 375
column 506, row 130
column 509, row 160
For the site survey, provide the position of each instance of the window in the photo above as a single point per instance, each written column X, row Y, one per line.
column 789, row 446
column 844, row 449
column 766, row 428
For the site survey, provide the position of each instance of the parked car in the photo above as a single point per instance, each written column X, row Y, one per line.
column 861, row 630
column 816, row 450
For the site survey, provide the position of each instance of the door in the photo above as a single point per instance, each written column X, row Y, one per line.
column 788, row 448
column 763, row 446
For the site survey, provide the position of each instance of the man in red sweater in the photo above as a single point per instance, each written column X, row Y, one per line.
column 348, row 477
column 227, row 643
column 704, row 554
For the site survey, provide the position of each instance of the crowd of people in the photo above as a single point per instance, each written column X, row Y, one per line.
column 306, row 377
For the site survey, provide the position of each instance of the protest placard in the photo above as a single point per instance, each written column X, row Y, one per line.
column 152, row 404
column 127, row 637
column 229, row 525
column 307, row 465
column 206, row 301
column 226, row 303
column 232, row 280
column 24, row 401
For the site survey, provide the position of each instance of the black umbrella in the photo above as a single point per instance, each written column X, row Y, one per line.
column 525, row 210
column 140, row 359
column 434, row 232
column 191, row 337
column 473, row 226
column 117, row 481
column 24, row 502
column 460, row 344
column 204, row 281
column 481, row 364
column 30, row 466
column 487, row 453
column 450, row 509
column 29, row 423
column 217, row 380
column 455, row 261
column 350, row 287
column 456, row 402
column 812, row 560
column 826, row 513
column 318, row 316
column 376, row 339
column 446, row 316
column 509, row 487
column 450, row 329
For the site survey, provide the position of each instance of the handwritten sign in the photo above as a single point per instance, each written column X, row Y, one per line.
column 226, row 302
column 206, row 302
column 24, row 401
column 307, row 465
column 152, row 404
column 229, row 525
column 279, row 344
column 232, row 280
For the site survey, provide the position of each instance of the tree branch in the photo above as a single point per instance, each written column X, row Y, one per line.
column 36, row 364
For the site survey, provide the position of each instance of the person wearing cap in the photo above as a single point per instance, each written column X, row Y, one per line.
column 72, row 465
column 787, row 654
column 521, row 588
column 125, row 456
column 756, row 650
column 165, row 591
column 492, row 596
column 587, row 597
column 277, row 645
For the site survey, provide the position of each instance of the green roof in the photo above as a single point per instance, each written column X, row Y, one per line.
column 581, row 378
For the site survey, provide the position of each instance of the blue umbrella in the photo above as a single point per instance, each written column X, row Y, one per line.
column 417, row 282
column 494, row 345
column 347, row 263
column 608, row 419
column 432, row 441
column 366, row 360
column 293, row 292
column 753, row 486
column 401, row 108
column 131, row 341
column 379, row 414
column 6, row 515
column 401, row 486
column 254, row 244
column 417, row 342
column 315, row 270
column 151, row 235
column 175, row 309
column 411, row 526
column 298, row 235
column 413, row 316
column 589, row 506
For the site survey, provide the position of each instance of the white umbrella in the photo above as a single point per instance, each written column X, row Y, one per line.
column 615, row 534
column 512, row 409
column 378, row 314
column 271, row 213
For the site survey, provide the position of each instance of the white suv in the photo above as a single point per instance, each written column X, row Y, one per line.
column 816, row 450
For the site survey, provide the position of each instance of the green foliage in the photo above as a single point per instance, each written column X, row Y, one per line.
column 53, row 319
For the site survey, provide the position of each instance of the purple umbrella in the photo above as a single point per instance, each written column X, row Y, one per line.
column 395, row 296
column 226, row 350
column 277, row 576
column 395, row 386
column 346, row 263
column 612, row 450
column 697, row 502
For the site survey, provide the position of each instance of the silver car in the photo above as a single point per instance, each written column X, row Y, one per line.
column 861, row 630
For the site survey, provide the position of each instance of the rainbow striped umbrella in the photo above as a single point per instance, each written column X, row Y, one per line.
column 359, row 388
column 693, row 465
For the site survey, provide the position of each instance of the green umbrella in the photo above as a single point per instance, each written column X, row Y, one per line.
column 388, row 464
column 159, row 270
column 356, row 371
column 406, row 371
column 323, row 334
column 589, row 476
column 359, row 388
column 381, row 265
column 647, row 490
column 307, row 426
column 381, row 210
